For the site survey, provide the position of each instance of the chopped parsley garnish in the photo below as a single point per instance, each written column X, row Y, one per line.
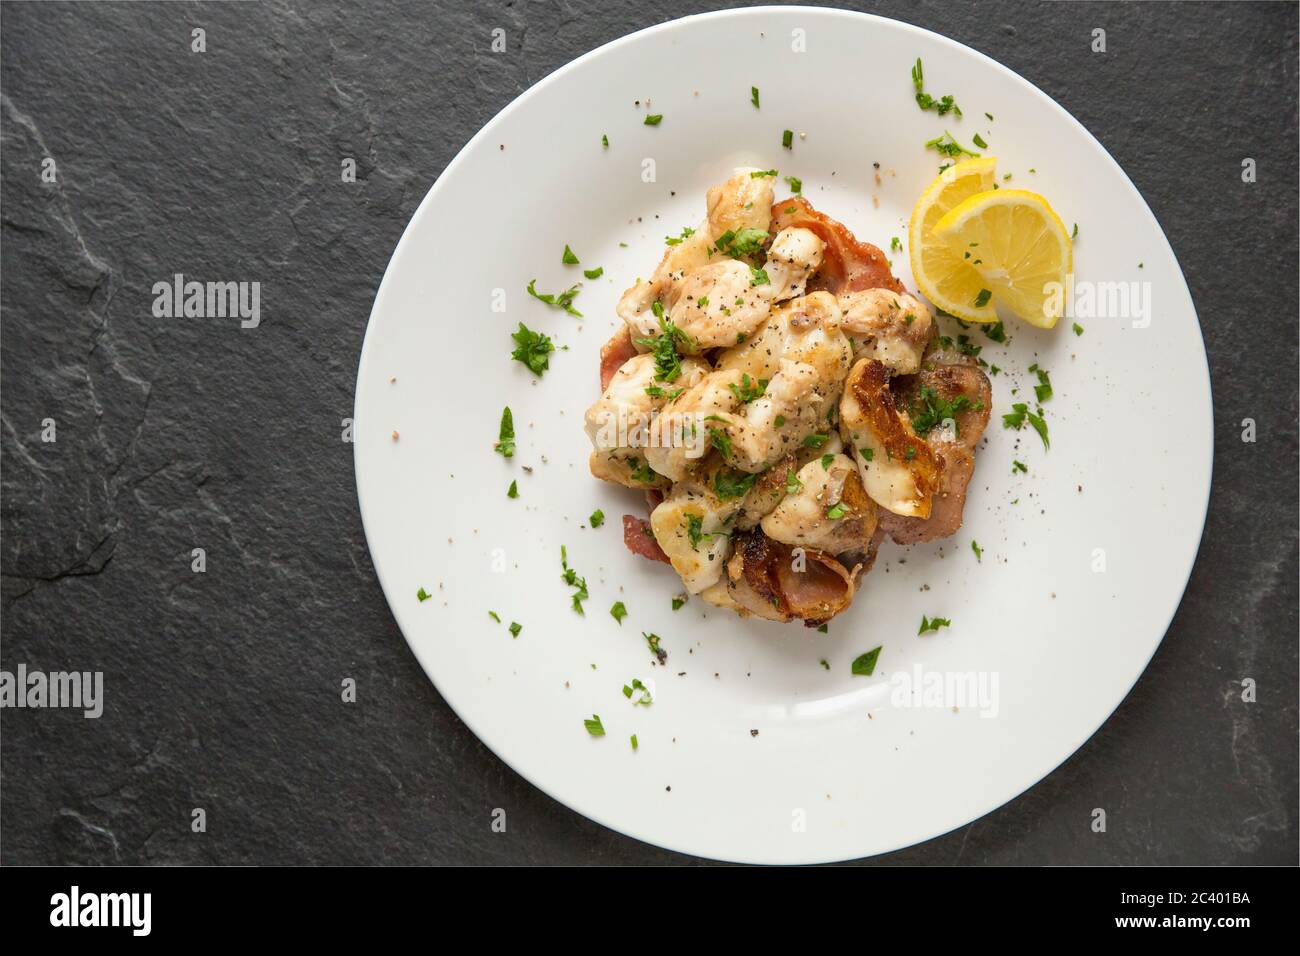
column 762, row 173
column 982, row 299
column 816, row 440
column 744, row 243
column 695, row 532
column 569, row 259
column 895, row 245
column 978, row 140
column 943, row 106
column 721, row 441
column 826, row 461
column 864, row 665
column 967, row 347
column 728, row 484
column 658, row 391
column 792, row 483
column 423, row 595
column 594, row 726
column 758, row 276
column 654, row 119
column 597, row 518
column 795, row 184
column 787, row 138
column 753, row 96
column 653, row 641
column 678, row 601
column 645, row 474
column 1074, row 233
column 515, row 628
column 572, row 579
column 780, row 420
column 945, row 145
column 933, row 624
column 513, row 491
column 645, row 700
column 932, row 409
column 618, row 611
column 687, row 232
column 557, row 300
column 867, row 453
column 494, row 616
column 604, row 141
column 505, row 443
column 532, row 348
column 1017, row 417
column 1019, row 466
column 634, row 743
column 979, row 552
column 837, row 511
column 668, row 363
column 595, row 273
column 748, row 389
column 997, row 332
column 826, row 665
column 1043, row 390
column 1078, row 329
column 1039, row 425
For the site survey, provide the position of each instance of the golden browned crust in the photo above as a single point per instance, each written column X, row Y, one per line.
column 764, row 580
column 869, row 382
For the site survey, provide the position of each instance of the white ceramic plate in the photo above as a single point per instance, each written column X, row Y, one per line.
column 1085, row 556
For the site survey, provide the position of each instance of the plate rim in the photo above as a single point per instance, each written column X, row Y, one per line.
column 686, row 22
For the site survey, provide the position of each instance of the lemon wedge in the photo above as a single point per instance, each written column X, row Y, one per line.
column 1018, row 246
column 946, row 277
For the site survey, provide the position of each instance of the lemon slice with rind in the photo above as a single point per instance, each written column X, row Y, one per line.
column 946, row 277
column 1018, row 245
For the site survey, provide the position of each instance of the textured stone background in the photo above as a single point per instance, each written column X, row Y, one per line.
column 223, row 687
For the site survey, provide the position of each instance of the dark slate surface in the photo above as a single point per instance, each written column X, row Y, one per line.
column 223, row 687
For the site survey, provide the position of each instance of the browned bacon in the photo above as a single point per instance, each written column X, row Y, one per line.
column 639, row 539
column 762, row 579
column 613, row 354
column 956, row 459
column 849, row 265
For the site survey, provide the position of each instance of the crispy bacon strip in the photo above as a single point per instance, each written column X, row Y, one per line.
column 763, row 581
column 613, row 354
column 906, row 455
column 956, row 459
column 639, row 539
column 848, row 265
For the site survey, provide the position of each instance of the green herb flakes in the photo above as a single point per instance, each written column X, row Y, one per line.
column 933, row 624
column 505, row 443
column 557, row 300
column 864, row 665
